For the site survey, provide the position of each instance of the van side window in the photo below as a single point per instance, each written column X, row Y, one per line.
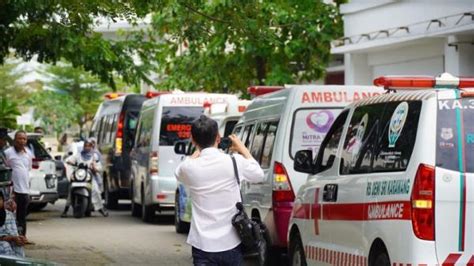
column 98, row 134
column 328, row 150
column 237, row 131
column 361, row 139
column 113, row 126
column 105, row 134
column 395, row 145
column 257, row 144
column 247, row 135
column 268, row 146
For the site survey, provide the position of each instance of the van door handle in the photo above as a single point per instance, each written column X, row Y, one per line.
column 330, row 193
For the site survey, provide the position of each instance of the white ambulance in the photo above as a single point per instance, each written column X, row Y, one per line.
column 274, row 127
column 392, row 182
column 164, row 120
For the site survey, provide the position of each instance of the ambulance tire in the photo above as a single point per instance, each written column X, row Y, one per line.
column 268, row 255
column 148, row 212
column 382, row 259
column 297, row 256
column 135, row 207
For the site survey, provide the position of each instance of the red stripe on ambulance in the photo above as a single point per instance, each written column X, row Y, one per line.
column 334, row 257
column 451, row 259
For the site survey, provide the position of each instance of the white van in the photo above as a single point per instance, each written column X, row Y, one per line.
column 164, row 120
column 274, row 127
column 392, row 182
column 226, row 115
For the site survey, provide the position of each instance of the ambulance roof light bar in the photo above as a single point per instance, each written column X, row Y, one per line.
column 152, row 94
column 261, row 90
column 422, row 82
column 113, row 95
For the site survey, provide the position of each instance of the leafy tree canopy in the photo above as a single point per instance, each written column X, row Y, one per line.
column 221, row 45
column 59, row 29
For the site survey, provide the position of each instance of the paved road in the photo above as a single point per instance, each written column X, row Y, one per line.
column 116, row 240
column 119, row 239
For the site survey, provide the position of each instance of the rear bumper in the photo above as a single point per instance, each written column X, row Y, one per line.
column 281, row 218
column 44, row 198
column 161, row 191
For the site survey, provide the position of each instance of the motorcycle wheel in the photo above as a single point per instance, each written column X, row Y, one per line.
column 80, row 206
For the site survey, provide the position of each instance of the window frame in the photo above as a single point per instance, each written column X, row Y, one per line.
column 319, row 157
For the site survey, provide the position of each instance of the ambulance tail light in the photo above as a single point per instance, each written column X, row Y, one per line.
column 423, row 203
column 119, row 135
column 154, row 163
column 282, row 190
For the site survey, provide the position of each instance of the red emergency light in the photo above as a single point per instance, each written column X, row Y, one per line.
column 261, row 90
column 413, row 82
column 242, row 108
column 152, row 94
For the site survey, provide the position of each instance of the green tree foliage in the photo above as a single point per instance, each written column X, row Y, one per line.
column 9, row 87
column 215, row 45
column 85, row 90
column 65, row 29
column 8, row 112
column 55, row 109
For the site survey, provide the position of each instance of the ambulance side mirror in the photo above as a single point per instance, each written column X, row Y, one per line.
column 304, row 162
column 180, row 148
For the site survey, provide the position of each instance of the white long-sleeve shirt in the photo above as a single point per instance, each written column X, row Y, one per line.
column 214, row 193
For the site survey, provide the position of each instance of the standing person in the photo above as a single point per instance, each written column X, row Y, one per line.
column 98, row 175
column 19, row 158
column 209, row 174
column 89, row 157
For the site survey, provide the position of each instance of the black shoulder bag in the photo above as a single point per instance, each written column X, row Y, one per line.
column 250, row 231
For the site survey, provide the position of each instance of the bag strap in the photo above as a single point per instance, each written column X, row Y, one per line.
column 236, row 174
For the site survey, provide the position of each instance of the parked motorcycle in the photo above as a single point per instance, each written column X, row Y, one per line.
column 81, row 191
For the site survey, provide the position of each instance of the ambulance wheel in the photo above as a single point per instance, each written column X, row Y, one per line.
column 111, row 199
column 180, row 226
column 148, row 212
column 268, row 255
column 382, row 260
column 297, row 256
column 136, row 210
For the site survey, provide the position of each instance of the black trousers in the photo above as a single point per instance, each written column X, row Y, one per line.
column 22, row 201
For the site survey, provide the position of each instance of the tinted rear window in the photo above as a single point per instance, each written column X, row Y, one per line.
column 455, row 135
column 176, row 123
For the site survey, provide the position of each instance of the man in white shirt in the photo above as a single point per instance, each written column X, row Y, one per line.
column 209, row 174
column 19, row 159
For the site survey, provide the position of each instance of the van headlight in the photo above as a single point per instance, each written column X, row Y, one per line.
column 80, row 174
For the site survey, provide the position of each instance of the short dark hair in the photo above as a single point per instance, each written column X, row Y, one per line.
column 204, row 131
column 19, row 132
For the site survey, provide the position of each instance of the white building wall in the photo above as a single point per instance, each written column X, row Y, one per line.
column 424, row 50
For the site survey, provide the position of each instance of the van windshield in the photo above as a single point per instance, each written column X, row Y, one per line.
column 455, row 135
column 176, row 123
column 309, row 127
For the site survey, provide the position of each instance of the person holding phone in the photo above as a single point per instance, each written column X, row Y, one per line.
column 209, row 174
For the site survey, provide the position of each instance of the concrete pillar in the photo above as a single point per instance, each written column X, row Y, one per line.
column 357, row 69
column 459, row 55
